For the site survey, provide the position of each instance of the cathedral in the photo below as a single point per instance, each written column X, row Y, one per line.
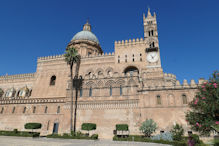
column 126, row 86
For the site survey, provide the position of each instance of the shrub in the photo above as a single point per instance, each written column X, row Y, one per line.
column 177, row 132
column 167, row 136
column 94, row 136
column 15, row 131
column 196, row 139
column 32, row 125
column 122, row 127
column 88, row 126
column 148, row 127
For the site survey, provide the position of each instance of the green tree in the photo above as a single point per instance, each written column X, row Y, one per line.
column 1, row 92
column 32, row 126
column 148, row 127
column 88, row 126
column 72, row 57
column 204, row 111
column 177, row 132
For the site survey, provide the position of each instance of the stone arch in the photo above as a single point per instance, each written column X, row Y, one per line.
column 131, row 69
column 99, row 71
column 171, row 99
column 89, row 71
column 109, row 71
column 90, row 84
column 120, row 82
column 100, row 84
column 109, row 83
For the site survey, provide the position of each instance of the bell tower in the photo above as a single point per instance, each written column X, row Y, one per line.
column 151, row 38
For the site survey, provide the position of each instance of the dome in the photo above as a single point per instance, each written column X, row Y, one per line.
column 86, row 34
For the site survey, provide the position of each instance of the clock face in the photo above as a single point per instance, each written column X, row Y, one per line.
column 152, row 57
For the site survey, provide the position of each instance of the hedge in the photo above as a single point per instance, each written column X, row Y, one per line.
column 88, row 126
column 32, row 125
column 140, row 138
column 77, row 136
column 122, row 127
column 15, row 132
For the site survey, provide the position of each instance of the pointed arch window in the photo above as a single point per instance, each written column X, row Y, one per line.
column 184, row 99
column 111, row 91
column 120, row 90
column 58, row 109
column 90, row 92
column 81, row 92
column 2, row 110
column 13, row 110
column 34, row 109
column 24, row 111
column 118, row 59
column 53, row 81
column 158, row 100
column 46, row 110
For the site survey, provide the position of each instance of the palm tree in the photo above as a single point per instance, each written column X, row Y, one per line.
column 71, row 57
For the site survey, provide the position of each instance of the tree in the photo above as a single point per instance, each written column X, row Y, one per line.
column 204, row 113
column 177, row 132
column 71, row 57
column 88, row 126
column 1, row 92
column 32, row 126
column 148, row 127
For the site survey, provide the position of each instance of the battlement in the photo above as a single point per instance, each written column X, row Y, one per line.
column 168, row 75
column 129, row 42
column 61, row 57
column 18, row 76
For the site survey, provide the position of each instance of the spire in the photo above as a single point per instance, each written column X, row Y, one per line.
column 149, row 13
column 87, row 26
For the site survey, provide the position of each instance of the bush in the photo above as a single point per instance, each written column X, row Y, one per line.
column 196, row 139
column 122, row 127
column 148, row 127
column 216, row 142
column 19, row 133
column 88, row 126
column 32, row 125
column 94, row 136
column 177, row 132
column 15, row 131
column 167, row 136
column 140, row 138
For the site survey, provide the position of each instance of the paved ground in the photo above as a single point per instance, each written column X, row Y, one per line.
column 27, row 141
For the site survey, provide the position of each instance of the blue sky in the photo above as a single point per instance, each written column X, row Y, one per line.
column 188, row 31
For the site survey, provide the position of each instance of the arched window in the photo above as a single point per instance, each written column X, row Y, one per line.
column 118, row 59
column 140, row 57
column 30, row 92
column 120, row 90
column 58, row 109
column 125, row 58
column 158, row 100
column 152, row 33
column 81, row 92
column 46, row 110
column 90, row 92
column 24, row 111
column 111, row 91
column 2, row 110
column 34, row 109
column 53, row 81
column 184, row 99
column 13, row 110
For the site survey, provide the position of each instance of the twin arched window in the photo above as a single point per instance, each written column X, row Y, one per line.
column 53, row 81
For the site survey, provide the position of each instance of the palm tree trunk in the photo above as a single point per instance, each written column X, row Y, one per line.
column 71, row 70
column 76, row 94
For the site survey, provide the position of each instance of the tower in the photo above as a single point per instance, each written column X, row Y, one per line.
column 151, row 39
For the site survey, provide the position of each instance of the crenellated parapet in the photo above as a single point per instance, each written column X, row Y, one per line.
column 18, row 76
column 129, row 42
column 169, row 76
column 61, row 57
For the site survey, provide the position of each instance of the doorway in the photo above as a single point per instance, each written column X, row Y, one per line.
column 55, row 128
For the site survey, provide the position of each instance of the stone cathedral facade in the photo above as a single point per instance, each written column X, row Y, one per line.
column 124, row 87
